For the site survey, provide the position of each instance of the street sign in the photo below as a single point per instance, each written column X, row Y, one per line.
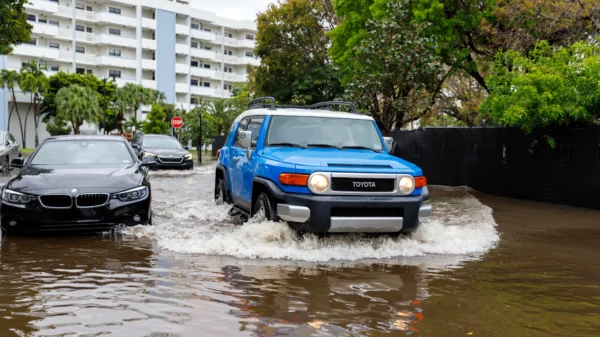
column 177, row 122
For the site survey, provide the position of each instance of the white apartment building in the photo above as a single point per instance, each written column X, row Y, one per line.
column 189, row 54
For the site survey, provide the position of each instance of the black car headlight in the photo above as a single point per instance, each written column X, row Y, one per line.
column 133, row 194
column 16, row 197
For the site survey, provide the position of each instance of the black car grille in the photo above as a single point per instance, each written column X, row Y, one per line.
column 56, row 201
column 362, row 185
column 367, row 212
column 91, row 200
column 170, row 160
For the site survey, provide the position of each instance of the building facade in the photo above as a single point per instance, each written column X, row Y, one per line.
column 189, row 54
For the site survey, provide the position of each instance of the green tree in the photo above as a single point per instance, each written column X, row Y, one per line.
column 10, row 79
column 545, row 88
column 13, row 25
column 77, row 104
column 191, row 130
column 34, row 81
column 133, row 124
column 222, row 111
column 57, row 126
column 137, row 96
column 292, row 43
column 155, row 121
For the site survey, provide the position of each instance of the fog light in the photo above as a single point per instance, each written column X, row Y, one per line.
column 12, row 223
column 137, row 218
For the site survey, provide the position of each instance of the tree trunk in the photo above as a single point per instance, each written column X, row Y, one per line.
column 26, row 119
column 36, row 118
column 18, row 116
column 76, row 129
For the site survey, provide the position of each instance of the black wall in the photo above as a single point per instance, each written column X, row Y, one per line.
column 508, row 163
column 218, row 143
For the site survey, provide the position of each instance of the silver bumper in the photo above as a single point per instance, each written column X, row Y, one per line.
column 291, row 213
column 425, row 211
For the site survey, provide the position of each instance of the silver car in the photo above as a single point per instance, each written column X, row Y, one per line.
column 9, row 150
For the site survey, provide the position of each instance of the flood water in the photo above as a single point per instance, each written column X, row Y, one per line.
column 482, row 266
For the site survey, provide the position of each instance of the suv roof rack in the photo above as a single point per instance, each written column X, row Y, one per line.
column 259, row 103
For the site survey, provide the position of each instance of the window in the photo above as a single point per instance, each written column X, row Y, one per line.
column 114, row 10
column 33, row 42
column 114, row 31
column 54, row 23
column 80, row 71
column 206, row 84
column 194, row 44
column 114, row 73
column 114, row 52
column 194, row 100
column 195, row 26
column 54, row 45
column 253, row 125
column 53, row 1
column 88, row 29
column 24, row 63
column 229, row 35
column 31, row 17
column 89, row 71
column 83, row 152
column 80, row 6
column 228, row 52
column 227, row 87
column 54, row 68
column 80, row 28
column 88, row 8
column 194, row 82
column 207, row 48
column 249, row 54
column 42, row 20
column 242, row 127
column 228, row 70
column 195, row 64
column 207, row 66
column 80, row 50
column 249, row 37
column 207, row 30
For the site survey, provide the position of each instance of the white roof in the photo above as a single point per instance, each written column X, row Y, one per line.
column 301, row 113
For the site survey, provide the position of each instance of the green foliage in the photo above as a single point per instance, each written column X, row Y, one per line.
column 292, row 43
column 34, row 81
column 57, row 126
column 191, row 130
column 155, row 121
column 10, row 79
column 13, row 25
column 545, row 88
column 223, row 111
column 133, row 124
column 77, row 104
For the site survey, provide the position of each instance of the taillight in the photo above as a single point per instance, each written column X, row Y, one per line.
column 420, row 182
column 218, row 153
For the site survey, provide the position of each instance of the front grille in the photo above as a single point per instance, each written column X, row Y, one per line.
column 362, row 185
column 56, row 201
column 367, row 212
column 91, row 200
column 170, row 160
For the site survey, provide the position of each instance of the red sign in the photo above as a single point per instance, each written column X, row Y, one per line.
column 177, row 122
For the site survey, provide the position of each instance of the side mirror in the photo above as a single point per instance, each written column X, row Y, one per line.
column 246, row 139
column 17, row 162
column 7, row 143
column 186, row 147
column 135, row 146
column 148, row 161
column 389, row 144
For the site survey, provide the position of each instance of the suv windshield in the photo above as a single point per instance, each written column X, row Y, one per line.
column 82, row 152
column 161, row 142
column 323, row 132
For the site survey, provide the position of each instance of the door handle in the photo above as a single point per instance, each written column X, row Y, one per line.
column 236, row 159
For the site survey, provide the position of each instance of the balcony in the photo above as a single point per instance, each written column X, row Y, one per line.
column 116, row 40
column 149, row 23
column 43, row 6
column 223, row 93
column 67, row 12
column 148, row 44
column 182, row 68
column 116, row 19
column 202, row 72
column 182, row 88
column 44, row 29
column 202, row 91
column 233, row 77
column 249, row 60
column 88, row 59
column 182, row 49
column 148, row 64
column 182, row 30
column 149, row 84
column 245, row 43
column 114, row 61
column 122, row 81
column 36, row 51
column 229, row 58
column 202, row 35
column 228, row 41
column 204, row 54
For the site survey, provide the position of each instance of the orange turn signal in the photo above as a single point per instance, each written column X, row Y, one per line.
column 293, row 179
column 420, row 182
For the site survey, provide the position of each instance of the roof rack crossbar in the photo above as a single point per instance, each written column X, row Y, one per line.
column 260, row 103
column 331, row 104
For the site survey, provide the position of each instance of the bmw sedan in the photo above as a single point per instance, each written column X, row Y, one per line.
column 166, row 150
column 78, row 183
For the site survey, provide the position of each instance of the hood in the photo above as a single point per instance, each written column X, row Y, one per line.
column 348, row 160
column 166, row 152
column 61, row 179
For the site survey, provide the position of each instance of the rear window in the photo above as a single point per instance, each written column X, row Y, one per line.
column 82, row 152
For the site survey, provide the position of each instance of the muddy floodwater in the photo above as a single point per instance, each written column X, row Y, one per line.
column 482, row 266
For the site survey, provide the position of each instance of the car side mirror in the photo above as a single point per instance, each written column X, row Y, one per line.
column 17, row 162
column 148, row 161
column 389, row 144
column 246, row 139
column 7, row 143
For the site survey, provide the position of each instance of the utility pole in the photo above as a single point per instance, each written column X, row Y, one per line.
column 104, row 105
column 200, row 140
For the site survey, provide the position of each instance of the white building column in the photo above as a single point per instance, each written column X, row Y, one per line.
column 138, row 52
column 3, row 98
column 222, row 61
column 74, row 43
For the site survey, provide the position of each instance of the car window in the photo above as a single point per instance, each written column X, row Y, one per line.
column 254, row 126
column 2, row 139
column 161, row 143
column 11, row 138
column 242, row 127
column 82, row 152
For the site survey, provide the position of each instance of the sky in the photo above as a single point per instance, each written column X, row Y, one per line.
column 233, row 9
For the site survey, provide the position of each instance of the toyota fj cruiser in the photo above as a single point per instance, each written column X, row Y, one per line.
column 319, row 170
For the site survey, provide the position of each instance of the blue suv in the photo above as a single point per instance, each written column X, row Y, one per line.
column 319, row 170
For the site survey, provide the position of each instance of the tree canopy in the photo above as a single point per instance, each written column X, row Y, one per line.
column 13, row 25
column 77, row 104
column 155, row 121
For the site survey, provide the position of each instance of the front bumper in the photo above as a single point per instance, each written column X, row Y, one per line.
column 35, row 218
column 343, row 214
column 185, row 164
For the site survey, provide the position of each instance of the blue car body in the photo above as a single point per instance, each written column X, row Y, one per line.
column 246, row 173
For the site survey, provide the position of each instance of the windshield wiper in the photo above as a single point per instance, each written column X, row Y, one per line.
column 288, row 144
column 359, row 148
column 324, row 145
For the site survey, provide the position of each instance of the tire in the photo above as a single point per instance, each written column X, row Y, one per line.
column 221, row 193
column 263, row 209
column 5, row 165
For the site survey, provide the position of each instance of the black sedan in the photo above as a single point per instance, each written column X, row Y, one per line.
column 166, row 150
column 78, row 183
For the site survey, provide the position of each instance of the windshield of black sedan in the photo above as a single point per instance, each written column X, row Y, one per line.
column 82, row 152
column 161, row 143
column 324, row 132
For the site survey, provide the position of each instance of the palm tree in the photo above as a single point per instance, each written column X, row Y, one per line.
column 78, row 104
column 221, row 110
column 34, row 81
column 138, row 96
column 133, row 124
column 122, row 103
column 9, row 79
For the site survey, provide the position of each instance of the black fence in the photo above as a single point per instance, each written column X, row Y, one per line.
column 508, row 163
column 218, row 144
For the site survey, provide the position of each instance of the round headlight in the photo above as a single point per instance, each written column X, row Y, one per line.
column 318, row 183
column 406, row 185
column 13, row 197
column 134, row 194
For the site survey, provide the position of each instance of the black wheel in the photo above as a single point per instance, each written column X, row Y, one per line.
column 5, row 165
column 221, row 193
column 263, row 209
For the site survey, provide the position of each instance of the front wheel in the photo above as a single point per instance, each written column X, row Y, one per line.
column 263, row 209
column 220, row 193
column 5, row 165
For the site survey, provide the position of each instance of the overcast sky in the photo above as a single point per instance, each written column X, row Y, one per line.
column 233, row 9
